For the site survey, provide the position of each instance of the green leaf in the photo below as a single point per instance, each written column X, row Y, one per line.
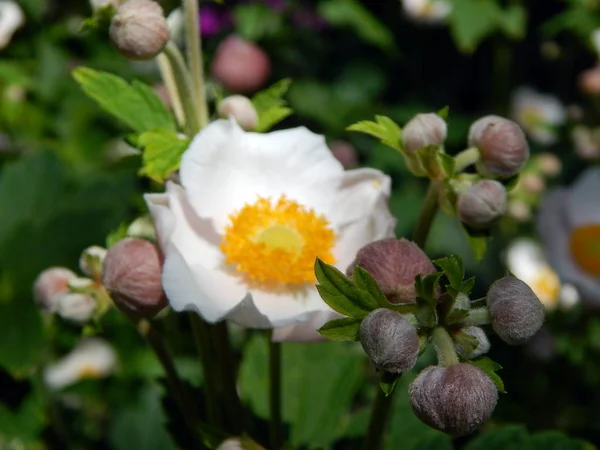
column 427, row 288
column 25, row 422
column 270, row 105
column 255, row 21
column 478, row 243
column 490, row 368
column 365, row 281
column 465, row 342
column 499, row 439
column 162, row 153
column 384, row 128
column 471, row 21
column 388, row 381
column 444, row 112
column 341, row 293
column 351, row 13
column 456, row 316
column 514, row 21
column 116, row 235
column 346, row 329
column 467, row 286
column 453, row 269
column 135, row 104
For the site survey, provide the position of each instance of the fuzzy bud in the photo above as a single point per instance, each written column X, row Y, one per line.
column 132, row 272
column 76, row 307
column 456, row 399
column 50, row 284
column 516, row 312
column 90, row 261
column 471, row 333
column 241, row 109
column 240, row 66
column 394, row 264
column 424, row 130
column 139, row 29
column 502, row 145
column 389, row 340
column 483, row 203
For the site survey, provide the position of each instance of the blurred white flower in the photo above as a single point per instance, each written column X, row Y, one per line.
column 525, row 259
column 254, row 211
column 539, row 114
column 92, row 358
column 99, row 4
column 569, row 224
column 427, row 11
column 76, row 307
column 586, row 141
column 11, row 18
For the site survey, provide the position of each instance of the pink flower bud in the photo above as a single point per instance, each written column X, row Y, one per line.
column 516, row 312
column 394, row 264
column 549, row 164
column 502, row 144
column 589, row 81
column 456, row 399
column 132, row 271
column 50, row 284
column 424, row 130
column 345, row 153
column 389, row 340
column 481, row 204
column 240, row 66
column 241, row 109
column 139, row 29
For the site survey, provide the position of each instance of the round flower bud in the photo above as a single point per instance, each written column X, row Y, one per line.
column 502, row 145
column 240, row 66
column 132, row 271
column 76, row 307
column 483, row 203
column 50, row 284
column 394, row 264
column 241, row 109
column 482, row 347
column 456, row 399
column 424, row 130
column 516, row 312
column 389, row 340
column 139, row 29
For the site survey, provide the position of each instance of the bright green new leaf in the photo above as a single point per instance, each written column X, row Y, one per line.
column 453, row 269
column 444, row 112
column 478, row 245
column 365, row 281
column 388, row 381
column 346, row 329
column 384, row 128
column 514, row 21
column 471, row 21
column 490, row 367
column 135, row 104
column 162, row 153
column 427, row 287
column 270, row 105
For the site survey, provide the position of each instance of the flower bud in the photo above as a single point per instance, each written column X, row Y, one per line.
column 548, row 164
column 483, row 203
column 516, row 312
column 389, row 340
column 456, row 399
column 394, row 264
column 589, row 81
column 424, row 130
column 132, row 271
column 76, row 307
column 502, row 145
column 139, row 29
column 240, row 66
column 50, row 284
column 242, row 110
column 90, row 261
column 467, row 352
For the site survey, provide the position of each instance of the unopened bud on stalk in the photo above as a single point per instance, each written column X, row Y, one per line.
column 76, row 307
column 132, row 272
column 424, row 130
column 139, row 29
column 241, row 109
column 50, row 284
column 389, row 340
column 516, row 312
column 394, row 264
column 456, row 399
column 482, row 347
column 483, row 203
column 502, row 146
column 90, row 261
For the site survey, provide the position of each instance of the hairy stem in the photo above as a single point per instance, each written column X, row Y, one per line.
column 466, row 158
column 194, row 48
column 478, row 316
column 166, row 72
column 444, row 347
column 428, row 212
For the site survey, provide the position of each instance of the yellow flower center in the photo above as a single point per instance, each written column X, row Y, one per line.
column 547, row 287
column 89, row 371
column 277, row 241
column 585, row 248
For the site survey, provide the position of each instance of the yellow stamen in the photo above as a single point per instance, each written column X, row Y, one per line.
column 585, row 248
column 277, row 241
column 89, row 371
column 547, row 287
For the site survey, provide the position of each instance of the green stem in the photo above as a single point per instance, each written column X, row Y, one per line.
column 466, row 158
column 185, row 87
column 428, row 212
column 275, row 423
column 166, row 72
column 444, row 347
column 478, row 316
column 194, row 47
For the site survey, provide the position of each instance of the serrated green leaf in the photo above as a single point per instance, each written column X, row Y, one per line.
column 490, row 367
column 457, row 316
column 135, row 104
column 465, row 343
column 365, row 281
column 384, row 128
column 162, row 153
column 388, row 381
column 339, row 292
column 346, row 329
column 471, row 21
column 453, row 269
column 467, row 286
column 270, row 105
column 427, row 288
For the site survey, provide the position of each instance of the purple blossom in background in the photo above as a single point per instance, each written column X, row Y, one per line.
column 213, row 20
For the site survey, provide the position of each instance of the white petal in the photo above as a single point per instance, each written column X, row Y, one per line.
column 524, row 258
column 305, row 331
column 225, row 168
column 583, row 206
column 75, row 307
column 11, row 18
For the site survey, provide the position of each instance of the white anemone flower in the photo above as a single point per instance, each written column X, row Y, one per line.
column 427, row 11
column 92, row 358
column 11, row 19
column 253, row 212
column 526, row 260
column 539, row 114
column 99, row 4
column 569, row 224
